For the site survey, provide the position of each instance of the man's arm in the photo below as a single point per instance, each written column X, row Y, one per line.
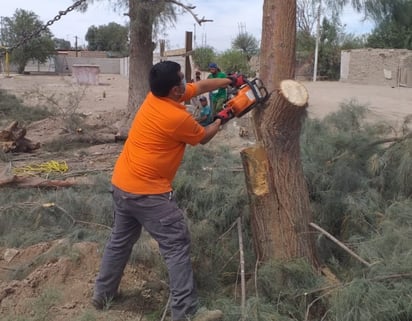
column 207, row 85
column 211, row 131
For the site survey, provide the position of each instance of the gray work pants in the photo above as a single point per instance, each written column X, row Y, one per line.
column 164, row 221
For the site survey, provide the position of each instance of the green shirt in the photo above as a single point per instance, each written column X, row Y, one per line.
column 221, row 92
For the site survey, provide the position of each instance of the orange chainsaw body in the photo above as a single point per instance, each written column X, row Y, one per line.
column 247, row 97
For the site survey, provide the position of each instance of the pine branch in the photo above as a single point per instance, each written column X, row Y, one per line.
column 391, row 140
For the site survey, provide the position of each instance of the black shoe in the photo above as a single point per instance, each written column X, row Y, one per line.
column 106, row 302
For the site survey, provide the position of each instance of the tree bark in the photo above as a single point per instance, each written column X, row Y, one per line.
column 141, row 57
column 281, row 208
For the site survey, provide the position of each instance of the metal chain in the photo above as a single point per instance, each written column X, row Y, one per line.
column 49, row 23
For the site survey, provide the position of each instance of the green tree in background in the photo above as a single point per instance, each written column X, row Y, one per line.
column 16, row 28
column 202, row 56
column 390, row 34
column 247, row 43
column 394, row 25
column 329, row 49
column 110, row 37
column 234, row 60
column 61, row 44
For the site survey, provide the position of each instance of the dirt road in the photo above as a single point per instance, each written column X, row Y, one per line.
column 384, row 102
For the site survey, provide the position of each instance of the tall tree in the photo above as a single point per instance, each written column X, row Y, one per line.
column 40, row 47
column 247, row 43
column 110, row 37
column 278, row 192
column 202, row 56
column 233, row 60
column 61, row 44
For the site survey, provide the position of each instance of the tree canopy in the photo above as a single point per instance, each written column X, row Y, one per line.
column 110, row 37
column 247, row 43
column 61, row 44
column 20, row 26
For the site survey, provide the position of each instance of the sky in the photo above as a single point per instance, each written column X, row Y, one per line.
column 229, row 18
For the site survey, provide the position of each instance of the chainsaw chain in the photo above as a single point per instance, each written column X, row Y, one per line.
column 45, row 26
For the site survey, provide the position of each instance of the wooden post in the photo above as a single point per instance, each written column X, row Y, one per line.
column 188, row 49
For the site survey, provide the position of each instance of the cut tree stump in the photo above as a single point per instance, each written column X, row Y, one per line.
column 12, row 139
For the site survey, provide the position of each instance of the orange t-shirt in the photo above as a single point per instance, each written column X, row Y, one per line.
column 155, row 145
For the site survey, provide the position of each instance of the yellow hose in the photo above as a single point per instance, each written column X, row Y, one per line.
column 47, row 167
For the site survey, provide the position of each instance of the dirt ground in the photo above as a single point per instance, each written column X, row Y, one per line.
column 105, row 104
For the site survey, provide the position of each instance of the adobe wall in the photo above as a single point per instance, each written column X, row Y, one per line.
column 107, row 65
column 383, row 67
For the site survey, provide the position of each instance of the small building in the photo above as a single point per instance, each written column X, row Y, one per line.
column 385, row 67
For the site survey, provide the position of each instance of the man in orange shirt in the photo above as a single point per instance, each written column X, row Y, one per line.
column 142, row 187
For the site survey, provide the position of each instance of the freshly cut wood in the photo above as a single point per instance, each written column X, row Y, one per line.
column 294, row 92
column 12, row 139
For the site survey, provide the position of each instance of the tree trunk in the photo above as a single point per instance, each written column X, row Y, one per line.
column 141, row 57
column 281, row 208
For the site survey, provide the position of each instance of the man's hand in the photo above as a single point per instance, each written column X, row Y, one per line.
column 237, row 80
column 224, row 115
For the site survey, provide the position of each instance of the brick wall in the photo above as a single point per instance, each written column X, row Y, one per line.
column 376, row 66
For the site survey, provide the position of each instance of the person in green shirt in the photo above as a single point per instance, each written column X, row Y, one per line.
column 218, row 96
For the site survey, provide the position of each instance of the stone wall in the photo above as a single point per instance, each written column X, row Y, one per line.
column 385, row 67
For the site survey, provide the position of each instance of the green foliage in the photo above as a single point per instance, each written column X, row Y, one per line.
column 305, row 45
column 329, row 50
column 393, row 22
column 372, row 300
column 17, row 28
column 335, row 157
column 61, row 44
column 202, row 56
column 391, row 34
column 12, row 108
column 233, row 60
column 360, row 193
column 247, row 43
column 110, row 37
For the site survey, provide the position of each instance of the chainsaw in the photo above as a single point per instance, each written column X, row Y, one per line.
column 249, row 96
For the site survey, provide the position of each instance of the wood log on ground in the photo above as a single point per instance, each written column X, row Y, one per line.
column 28, row 182
column 12, row 139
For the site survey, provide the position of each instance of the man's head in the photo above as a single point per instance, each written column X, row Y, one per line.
column 213, row 68
column 166, row 79
column 203, row 100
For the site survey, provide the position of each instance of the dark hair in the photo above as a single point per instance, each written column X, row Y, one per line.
column 163, row 77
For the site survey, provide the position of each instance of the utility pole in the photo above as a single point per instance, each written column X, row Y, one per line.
column 75, row 44
column 315, row 67
column 194, row 36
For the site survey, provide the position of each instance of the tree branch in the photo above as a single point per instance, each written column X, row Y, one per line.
column 343, row 246
column 190, row 10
